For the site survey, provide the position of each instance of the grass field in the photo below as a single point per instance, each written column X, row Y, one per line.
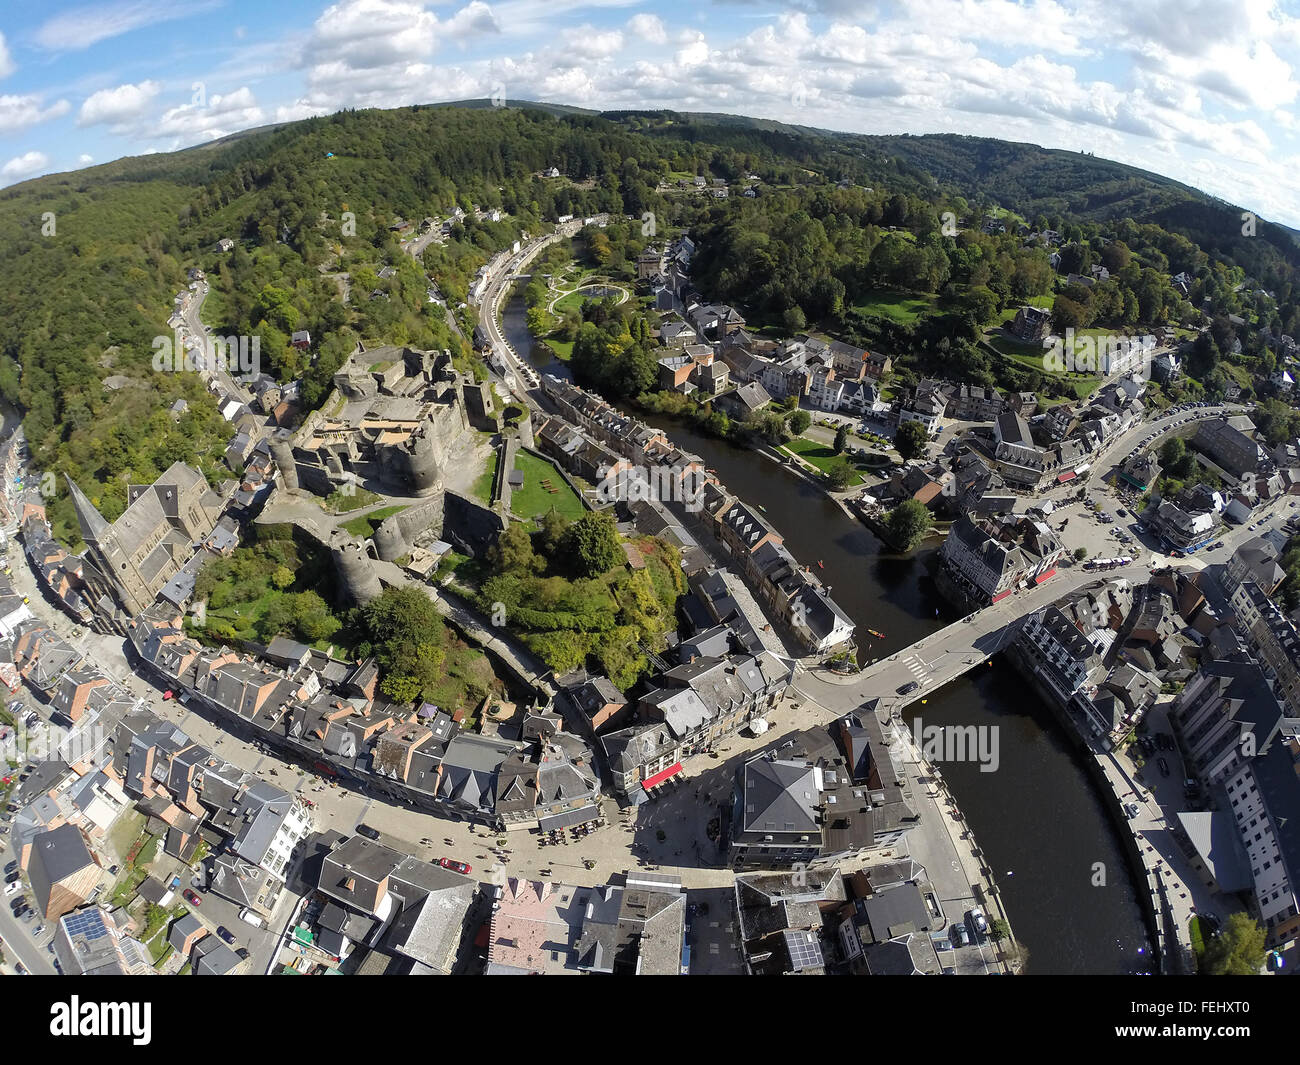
column 821, row 456
column 1030, row 357
column 1009, row 315
column 533, row 498
column 897, row 306
column 563, row 348
column 483, row 486
column 366, row 524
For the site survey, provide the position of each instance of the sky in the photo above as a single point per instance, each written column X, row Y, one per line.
column 1204, row 91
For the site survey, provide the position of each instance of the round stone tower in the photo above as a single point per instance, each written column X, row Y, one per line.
column 282, row 452
column 357, row 578
column 424, row 461
column 390, row 541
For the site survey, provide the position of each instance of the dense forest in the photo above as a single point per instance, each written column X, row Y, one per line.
column 90, row 261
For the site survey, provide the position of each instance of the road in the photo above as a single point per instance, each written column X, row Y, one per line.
column 192, row 315
column 940, row 657
column 490, row 309
column 20, row 944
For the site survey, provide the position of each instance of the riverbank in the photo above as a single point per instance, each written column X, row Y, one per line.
column 1144, row 863
column 1066, row 926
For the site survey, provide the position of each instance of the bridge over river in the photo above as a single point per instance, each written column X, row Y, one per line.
column 942, row 656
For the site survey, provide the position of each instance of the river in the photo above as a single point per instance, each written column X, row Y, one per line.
column 1044, row 831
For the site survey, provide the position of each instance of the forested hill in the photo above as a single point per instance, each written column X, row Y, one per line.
column 1034, row 182
column 1037, row 181
column 90, row 261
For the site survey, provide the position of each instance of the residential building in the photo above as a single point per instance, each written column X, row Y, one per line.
column 1274, row 638
column 1032, row 324
column 91, row 942
column 61, row 869
column 988, row 558
column 1229, row 447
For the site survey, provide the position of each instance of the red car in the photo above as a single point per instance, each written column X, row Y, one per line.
column 456, row 867
column 191, row 898
column 167, row 694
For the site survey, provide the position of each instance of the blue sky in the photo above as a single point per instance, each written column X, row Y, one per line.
column 1202, row 90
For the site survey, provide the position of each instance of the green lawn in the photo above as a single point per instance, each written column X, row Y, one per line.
column 1009, row 315
column 340, row 502
column 367, row 524
column 1030, row 357
column 533, row 499
column 483, row 486
column 574, row 300
column 563, row 348
column 901, row 307
column 1197, row 935
column 821, row 456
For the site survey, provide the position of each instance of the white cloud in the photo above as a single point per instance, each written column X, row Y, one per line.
column 7, row 65
column 117, row 106
column 21, row 166
column 222, row 114
column 19, row 112
column 85, row 160
column 80, row 27
column 586, row 42
column 475, row 17
column 648, row 28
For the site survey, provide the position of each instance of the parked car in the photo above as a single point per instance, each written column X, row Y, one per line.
column 456, row 867
column 12, row 867
column 960, row 934
column 367, row 831
column 226, row 934
column 908, row 688
column 242, row 953
column 978, row 919
column 249, row 917
column 1164, row 766
column 192, row 898
column 1131, row 809
column 13, row 887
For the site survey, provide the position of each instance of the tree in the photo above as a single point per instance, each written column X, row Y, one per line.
column 907, row 524
column 1238, row 950
column 591, row 544
column 554, row 525
column 911, row 440
column 282, row 577
column 1080, row 553
column 841, row 439
column 840, row 475
column 999, row 930
column 799, row 421
column 406, row 636
column 513, row 552
column 1172, row 452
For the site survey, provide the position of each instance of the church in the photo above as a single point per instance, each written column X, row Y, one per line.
column 130, row 560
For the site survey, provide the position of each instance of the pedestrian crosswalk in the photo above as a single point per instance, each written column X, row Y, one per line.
column 919, row 670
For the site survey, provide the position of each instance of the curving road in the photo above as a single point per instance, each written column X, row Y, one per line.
column 490, row 309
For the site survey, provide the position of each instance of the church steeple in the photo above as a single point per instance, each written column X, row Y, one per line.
column 91, row 520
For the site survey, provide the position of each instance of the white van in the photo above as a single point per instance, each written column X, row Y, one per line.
column 249, row 917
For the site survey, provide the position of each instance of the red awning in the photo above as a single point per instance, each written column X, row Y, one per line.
column 1068, row 475
column 662, row 775
column 1001, row 595
column 1043, row 576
